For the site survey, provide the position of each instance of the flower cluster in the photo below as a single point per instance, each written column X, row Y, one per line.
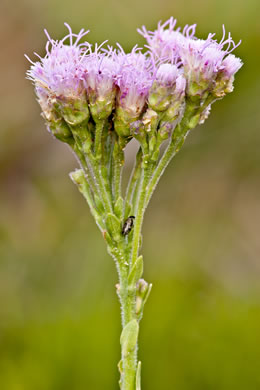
column 207, row 65
column 74, row 81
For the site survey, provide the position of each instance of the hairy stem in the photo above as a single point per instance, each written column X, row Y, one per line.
column 173, row 147
column 95, row 161
column 189, row 121
column 140, row 208
column 133, row 180
column 128, row 363
column 117, row 168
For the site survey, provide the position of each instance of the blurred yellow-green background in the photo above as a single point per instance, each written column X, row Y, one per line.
column 59, row 315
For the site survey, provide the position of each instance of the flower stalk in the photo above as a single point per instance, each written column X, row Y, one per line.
column 97, row 101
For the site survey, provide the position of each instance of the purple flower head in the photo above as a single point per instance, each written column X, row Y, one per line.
column 60, row 72
column 203, row 61
column 180, row 87
column 166, row 75
column 168, row 86
column 225, row 77
column 230, row 65
column 134, row 80
column 101, row 70
column 58, row 79
column 165, row 41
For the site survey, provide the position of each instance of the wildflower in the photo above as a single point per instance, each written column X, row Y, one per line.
column 134, row 82
column 204, row 61
column 152, row 97
column 100, row 75
column 58, row 79
column 164, row 41
column 206, row 64
column 166, row 87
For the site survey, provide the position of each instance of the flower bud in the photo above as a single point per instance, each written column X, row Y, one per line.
column 162, row 90
column 225, row 77
column 137, row 131
column 143, row 290
column 165, row 130
column 175, row 109
column 100, row 76
column 134, row 81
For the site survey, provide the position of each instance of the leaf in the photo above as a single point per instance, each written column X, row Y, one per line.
column 99, row 204
column 129, row 337
column 119, row 207
column 108, row 239
column 147, row 294
column 113, row 226
column 136, row 272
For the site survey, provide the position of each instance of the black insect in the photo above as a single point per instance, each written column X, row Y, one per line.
column 127, row 227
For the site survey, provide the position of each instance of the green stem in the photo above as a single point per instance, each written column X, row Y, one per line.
column 141, row 206
column 127, row 296
column 84, row 165
column 135, row 176
column 117, row 168
column 98, row 138
column 95, row 178
column 91, row 163
column 110, row 159
column 171, row 150
column 189, row 121
column 79, row 179
column 102, row 166
column 95, row 161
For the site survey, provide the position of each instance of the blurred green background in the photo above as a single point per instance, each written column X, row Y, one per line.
column 59, row 315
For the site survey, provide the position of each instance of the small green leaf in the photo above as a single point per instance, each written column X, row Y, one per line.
column 147, row 293
column 108, row 239
column 136, row 272
column 152, row 143
column 104, row 172
column 143, row 290
column 99, row 204
column 138, row 376
column 113, row 226
column 194, row 121
column 129, row 337
column 155, row 154
column 119, row 207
